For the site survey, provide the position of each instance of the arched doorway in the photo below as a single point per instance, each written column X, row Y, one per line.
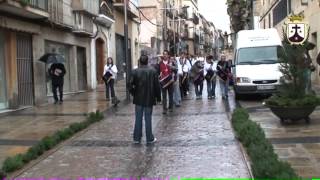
column 99, row 59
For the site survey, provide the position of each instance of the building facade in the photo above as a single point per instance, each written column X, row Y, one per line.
column 30, row 30
column 151, row 39
column 275, row 13
column 102, row 42
column 84, row 32
column 133, row 34
column 193, row 35
column 164, row 24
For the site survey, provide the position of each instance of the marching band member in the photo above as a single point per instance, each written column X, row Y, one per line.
column 176, row 86
column 224, row 73
column 210, row 72
column 197, row 75
column 166, row 81
column 109, row 76
column 183, row 71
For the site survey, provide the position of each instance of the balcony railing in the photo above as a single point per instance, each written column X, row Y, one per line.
column 32, row 9
column 83, row 24
column 184, row 13
column 39, row 4
column 195, row 19
column 132, row 10
column 56, row 11
column 106, row 8
column 89, row 6
column 59, row 15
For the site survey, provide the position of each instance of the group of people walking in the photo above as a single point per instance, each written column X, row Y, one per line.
column 177, row 73
column 171, row 77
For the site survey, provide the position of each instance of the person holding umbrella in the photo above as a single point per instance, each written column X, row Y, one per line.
column 57, row 72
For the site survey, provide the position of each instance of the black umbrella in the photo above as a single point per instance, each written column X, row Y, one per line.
column 50, row 58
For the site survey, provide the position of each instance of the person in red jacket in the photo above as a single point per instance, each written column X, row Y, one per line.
column 166, row 81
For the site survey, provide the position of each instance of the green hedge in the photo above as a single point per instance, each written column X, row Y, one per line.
column 16, row 162
column 265, row 163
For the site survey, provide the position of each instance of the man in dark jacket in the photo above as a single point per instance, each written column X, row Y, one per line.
column 318, row 60
column 145, row 89
column 57, row 72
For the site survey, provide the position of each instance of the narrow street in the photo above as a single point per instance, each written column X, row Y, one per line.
column 196, row 140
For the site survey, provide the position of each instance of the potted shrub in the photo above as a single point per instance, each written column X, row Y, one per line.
column 295, row 100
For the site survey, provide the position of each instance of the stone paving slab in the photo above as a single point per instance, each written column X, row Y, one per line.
column 297, row 143
column 18, row 129
column 195, row 141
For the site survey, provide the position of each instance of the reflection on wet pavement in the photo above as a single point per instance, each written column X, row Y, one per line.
column 21, row 129
column 196, row 140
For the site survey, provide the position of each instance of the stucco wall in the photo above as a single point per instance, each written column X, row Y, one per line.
column 48, row 34
column 311, row 12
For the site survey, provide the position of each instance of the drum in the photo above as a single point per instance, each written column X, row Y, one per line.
column 107, row 77
column 166, row 81
column 199, row 78
column 209, row 75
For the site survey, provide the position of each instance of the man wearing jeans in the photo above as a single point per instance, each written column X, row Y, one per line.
column 210, row 70
column 144, row 87
column 224, row 73
column 166, row 68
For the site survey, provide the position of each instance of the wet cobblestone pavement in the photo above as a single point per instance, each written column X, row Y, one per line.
column 21, row 129
column 196, row 140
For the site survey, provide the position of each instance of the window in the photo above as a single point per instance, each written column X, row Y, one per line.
column 280, row 11
column 304, row 2
column 289, row 6
column 258, row 55
column 3, row 95
column 269, row 20
column 77, row 18
column 64, row 50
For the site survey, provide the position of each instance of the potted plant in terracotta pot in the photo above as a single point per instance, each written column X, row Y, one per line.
column 295, row 99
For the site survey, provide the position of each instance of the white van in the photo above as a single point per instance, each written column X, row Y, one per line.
column 256, row 67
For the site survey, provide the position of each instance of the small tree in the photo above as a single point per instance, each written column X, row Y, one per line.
column 294, row 65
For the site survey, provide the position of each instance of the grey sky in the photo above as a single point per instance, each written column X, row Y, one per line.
column 216, row 12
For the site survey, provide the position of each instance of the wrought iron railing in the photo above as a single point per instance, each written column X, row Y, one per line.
column 39, row 4
column 56, row 11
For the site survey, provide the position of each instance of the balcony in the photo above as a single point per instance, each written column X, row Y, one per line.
column 185, row 34
column 132, row 10
column 34, row 9
column 58, row 16
column 106, row 16
column 83, row 25
column 195, row 19
column 184, row 13
column 91, row 8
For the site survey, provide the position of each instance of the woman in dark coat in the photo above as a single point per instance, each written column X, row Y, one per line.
column 224, row 74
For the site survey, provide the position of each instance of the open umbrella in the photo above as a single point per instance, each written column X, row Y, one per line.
column 50, row 58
